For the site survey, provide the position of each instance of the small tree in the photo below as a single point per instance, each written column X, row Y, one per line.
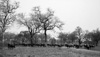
column 72, row 37
column 88, row 36
column 41, row 38
column 63, row 37
column 96, row 36
column 93, row 37
column 9, row 36
column 53, row 41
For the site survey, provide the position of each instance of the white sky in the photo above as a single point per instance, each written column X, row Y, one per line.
column 83, row 13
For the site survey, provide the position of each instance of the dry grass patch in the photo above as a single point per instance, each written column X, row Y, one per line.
column 49, row 52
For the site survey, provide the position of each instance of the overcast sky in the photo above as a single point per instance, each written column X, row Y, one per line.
column 83, row 13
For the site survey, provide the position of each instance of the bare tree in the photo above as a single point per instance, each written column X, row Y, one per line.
column 7, row 15
column 48, row 20
column 33, row 25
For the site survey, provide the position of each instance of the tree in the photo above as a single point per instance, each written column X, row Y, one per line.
column 32, row 24
column 72, row 37
column 41, row 37
column 63, row 37
column 7, row 15
column 9, row 37
column 96, row 36
column 93, row 37
column 25, row 35
column 88, row 36
column 53, row 41
column 79, row 34
column 20, row 37
column 48, row 20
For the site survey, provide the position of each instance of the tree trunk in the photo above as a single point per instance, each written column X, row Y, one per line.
column 96, row 43
column 79, row 42
column 45, row 33
column 31, row 40
column 1, row 43
column 2, row 40
column 35, row 40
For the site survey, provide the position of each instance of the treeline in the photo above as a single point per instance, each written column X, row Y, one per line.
column 77, row 39
column 80, row 37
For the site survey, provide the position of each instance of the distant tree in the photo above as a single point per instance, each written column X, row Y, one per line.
column 48, row 20
column 79, row 34
column 96, row 36
column 93, row 37
column 53, row 41
column 25, row 35
column 41, row 37
column 72, row 37
column 18, row 38
column 32, row 24
column 22, row 38
column 8, row 37
column 63, row 37
column 88, row 35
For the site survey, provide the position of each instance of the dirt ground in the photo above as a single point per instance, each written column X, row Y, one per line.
column 48, row 52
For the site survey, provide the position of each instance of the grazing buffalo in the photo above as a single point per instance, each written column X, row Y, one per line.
column 11, row 46
column 69, row 45
column 88, row 46
column 76, row 46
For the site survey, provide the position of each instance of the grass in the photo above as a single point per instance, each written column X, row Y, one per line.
column 49, row 52
column 97, row 48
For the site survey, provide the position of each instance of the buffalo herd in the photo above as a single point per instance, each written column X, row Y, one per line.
column 86, row 46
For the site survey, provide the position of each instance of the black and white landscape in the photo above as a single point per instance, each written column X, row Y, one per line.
column 49, row 28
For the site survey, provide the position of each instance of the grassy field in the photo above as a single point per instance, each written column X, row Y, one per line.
column 48, row 52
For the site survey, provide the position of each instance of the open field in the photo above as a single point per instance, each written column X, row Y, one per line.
column 49, row 52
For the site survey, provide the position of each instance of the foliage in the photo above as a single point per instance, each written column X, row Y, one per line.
column 72, row 37
column 53, row 41
column 93, row 36
column 63, row 37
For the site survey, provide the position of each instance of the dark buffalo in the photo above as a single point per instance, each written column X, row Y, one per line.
column 11, row 46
